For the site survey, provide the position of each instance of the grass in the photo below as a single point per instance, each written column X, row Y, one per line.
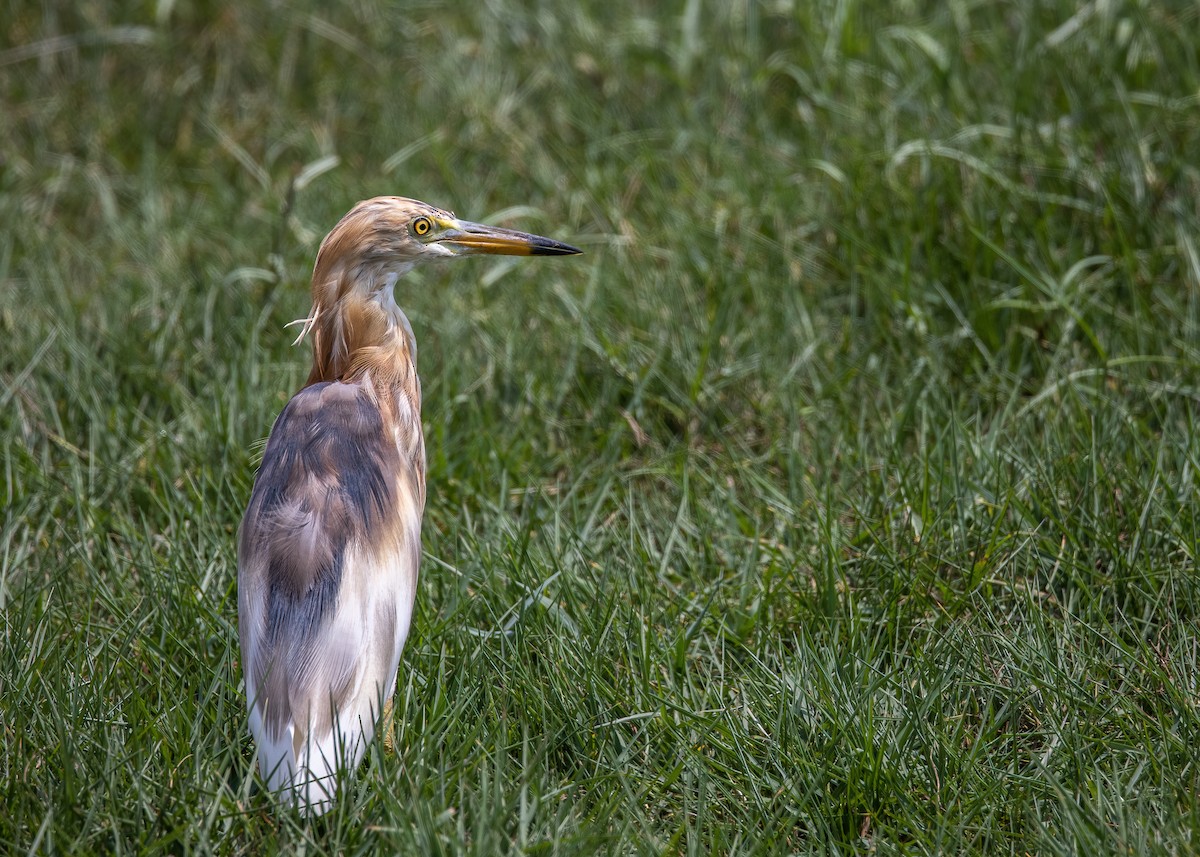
column 841, row 498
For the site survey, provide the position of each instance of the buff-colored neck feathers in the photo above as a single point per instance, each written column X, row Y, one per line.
column 355, row 324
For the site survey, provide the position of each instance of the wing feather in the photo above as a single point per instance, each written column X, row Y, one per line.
column 327, row 573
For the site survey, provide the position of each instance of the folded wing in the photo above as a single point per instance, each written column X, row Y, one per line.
column 327, row 573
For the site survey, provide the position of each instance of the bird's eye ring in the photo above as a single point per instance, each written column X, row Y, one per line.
column 421, row 226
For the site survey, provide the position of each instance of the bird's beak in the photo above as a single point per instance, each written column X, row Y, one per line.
column 466, row 239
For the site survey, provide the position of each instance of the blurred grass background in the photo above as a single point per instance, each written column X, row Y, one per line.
column 842, row 498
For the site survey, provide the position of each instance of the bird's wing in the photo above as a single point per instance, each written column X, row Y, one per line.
column 327, row 573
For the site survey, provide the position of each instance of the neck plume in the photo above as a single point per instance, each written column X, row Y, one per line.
column 358, row 332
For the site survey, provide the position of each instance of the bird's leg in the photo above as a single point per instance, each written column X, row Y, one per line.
column 389, row 727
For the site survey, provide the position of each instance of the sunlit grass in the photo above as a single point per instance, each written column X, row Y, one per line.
column 841, row 498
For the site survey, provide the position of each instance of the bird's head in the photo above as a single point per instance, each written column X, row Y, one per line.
column 375, row 244
column 384, row 238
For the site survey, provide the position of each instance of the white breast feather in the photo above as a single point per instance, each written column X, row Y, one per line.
column 350, row 648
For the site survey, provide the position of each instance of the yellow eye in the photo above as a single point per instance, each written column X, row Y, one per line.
column 421, row 226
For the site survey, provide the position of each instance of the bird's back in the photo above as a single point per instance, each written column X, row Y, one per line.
column 327, row 573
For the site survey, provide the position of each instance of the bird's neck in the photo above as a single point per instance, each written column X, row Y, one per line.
column 359, row 339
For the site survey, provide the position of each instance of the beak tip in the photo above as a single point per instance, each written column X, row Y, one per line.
column 555, row 248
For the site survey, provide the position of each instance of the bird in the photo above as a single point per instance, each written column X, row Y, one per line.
column 330, row 543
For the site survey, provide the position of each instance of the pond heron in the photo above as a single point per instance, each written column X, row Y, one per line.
column 331, row 540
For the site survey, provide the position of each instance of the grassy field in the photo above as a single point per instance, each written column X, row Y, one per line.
column 842, row 498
